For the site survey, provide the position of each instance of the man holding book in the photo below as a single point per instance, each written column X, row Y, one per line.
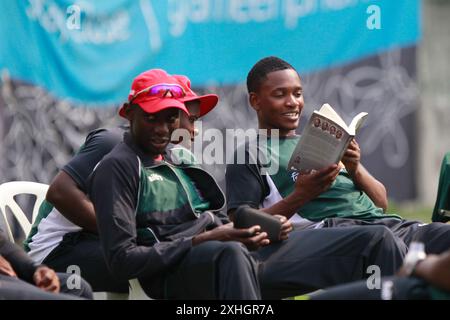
column 343, row 194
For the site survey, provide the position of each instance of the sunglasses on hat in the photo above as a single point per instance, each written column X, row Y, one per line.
column 162, row 90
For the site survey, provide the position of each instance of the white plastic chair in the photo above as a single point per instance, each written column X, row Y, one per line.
column 9, row 190
column 136, row 291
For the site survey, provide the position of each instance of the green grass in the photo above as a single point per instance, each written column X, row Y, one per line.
column 411, row 211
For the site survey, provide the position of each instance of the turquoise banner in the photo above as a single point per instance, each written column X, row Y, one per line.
column 89, row 51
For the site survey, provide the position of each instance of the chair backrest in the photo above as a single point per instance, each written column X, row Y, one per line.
column 8, row 191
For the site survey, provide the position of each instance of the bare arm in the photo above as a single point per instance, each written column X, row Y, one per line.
column 435, row 269
column 71, row 202
column 371, row 186
column 362, row 178
column 245, row 185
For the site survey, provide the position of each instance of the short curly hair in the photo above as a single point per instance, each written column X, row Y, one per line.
column 259, row 71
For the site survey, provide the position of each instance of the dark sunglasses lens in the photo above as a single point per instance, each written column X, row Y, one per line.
column 163, row 91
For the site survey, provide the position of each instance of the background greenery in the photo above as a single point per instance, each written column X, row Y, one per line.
column 411, row 211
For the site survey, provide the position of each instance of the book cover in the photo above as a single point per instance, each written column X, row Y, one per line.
column 324, row 140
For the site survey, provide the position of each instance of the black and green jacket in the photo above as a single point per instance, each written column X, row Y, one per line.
column 23, row 265
column 148, row 211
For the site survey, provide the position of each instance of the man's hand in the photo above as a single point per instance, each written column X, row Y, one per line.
column 6, row 268
column 435, row 269
column 251, row 237
column 352, row 157
column 46, row 279
column 310, row 185
column 286, row 227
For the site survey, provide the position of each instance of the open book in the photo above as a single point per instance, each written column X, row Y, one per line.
column 324, row 140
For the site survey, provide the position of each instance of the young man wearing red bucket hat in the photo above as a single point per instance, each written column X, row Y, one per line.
column 65, row 231
column 149, row 211
column 162, row 223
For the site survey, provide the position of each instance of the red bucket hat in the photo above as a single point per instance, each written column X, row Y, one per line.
column 153, row 101
column 207, row 101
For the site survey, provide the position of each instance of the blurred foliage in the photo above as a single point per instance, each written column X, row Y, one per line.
column 411, row 211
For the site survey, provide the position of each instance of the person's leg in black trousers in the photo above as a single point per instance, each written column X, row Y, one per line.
column 210, row 270
column 84, row 250
column 435, row 236
column 79, row 287
column 319, row 258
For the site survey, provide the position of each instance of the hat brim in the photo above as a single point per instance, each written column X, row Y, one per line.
column 207, row 102
column 156, row 105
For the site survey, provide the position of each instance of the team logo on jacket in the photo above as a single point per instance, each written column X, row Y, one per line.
column 155, row 177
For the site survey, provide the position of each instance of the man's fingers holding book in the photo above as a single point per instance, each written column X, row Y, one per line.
column 353, row 150
column 352, row 157
column 353, row 145
column 328, row 174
